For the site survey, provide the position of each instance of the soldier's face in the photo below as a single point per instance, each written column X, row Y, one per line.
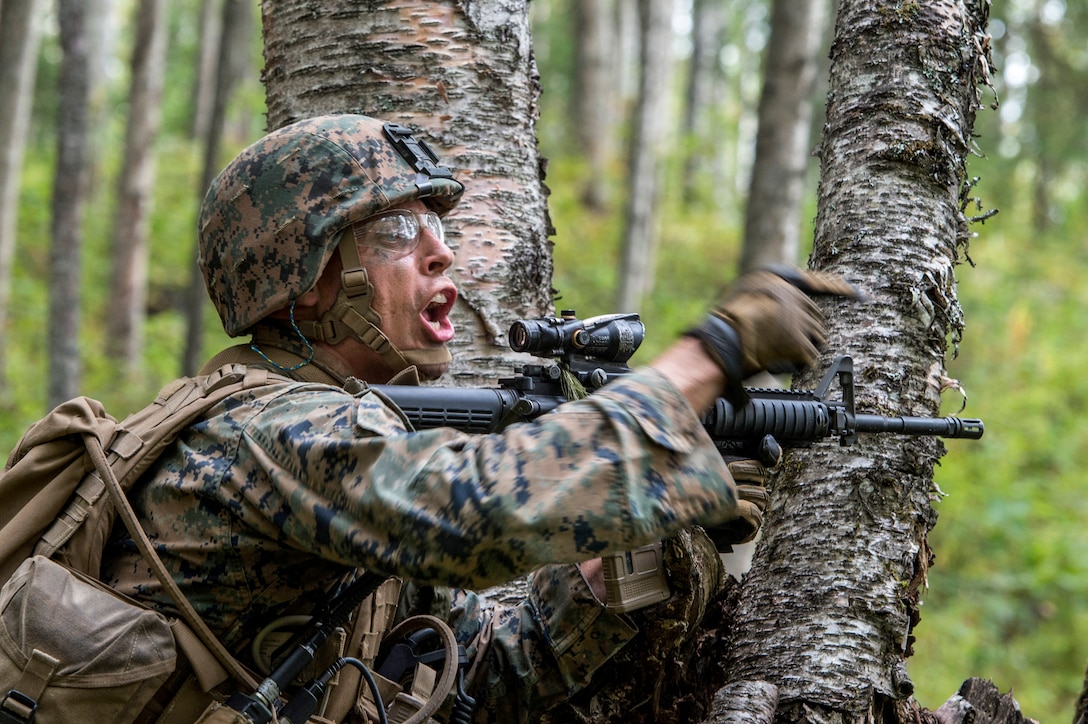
column 412, row 293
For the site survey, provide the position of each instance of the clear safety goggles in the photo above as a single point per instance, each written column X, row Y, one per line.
column 398, row 230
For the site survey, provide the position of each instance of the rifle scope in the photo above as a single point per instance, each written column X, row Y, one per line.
column 609, row 337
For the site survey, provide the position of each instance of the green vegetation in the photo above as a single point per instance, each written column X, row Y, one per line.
column 1009, row 588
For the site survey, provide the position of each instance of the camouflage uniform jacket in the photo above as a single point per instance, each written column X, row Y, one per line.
column 263, row 505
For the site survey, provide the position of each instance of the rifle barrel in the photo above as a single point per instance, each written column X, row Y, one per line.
column 954, row 427
column 794, row 422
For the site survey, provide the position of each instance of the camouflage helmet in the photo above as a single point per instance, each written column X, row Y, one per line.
column 272, row 218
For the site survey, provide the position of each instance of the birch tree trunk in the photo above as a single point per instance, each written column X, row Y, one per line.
column 20, row 37
column 69, row 200
column 772, row 219
column 203, row 90
column 127, row 301
column 464, row 76
column 704, row 90
column 826, row 614
column 645, row 154
column 595, row 98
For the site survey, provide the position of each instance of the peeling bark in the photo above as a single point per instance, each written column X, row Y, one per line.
column 978, row 702
column 745, row 702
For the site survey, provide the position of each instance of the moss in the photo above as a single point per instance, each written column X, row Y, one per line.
column 900, row 12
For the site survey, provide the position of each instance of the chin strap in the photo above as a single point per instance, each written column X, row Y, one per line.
column 351, row 316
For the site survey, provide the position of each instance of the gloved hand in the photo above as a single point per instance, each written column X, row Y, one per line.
column 752, row 497
column 767, row 321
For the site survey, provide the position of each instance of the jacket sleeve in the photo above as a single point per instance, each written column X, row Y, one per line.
column 531, row 654
column 623, row 467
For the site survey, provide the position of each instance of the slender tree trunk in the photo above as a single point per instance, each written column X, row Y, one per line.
column 20, row 36
column 463, row 74
column 626, row 53
column 204, row 85
column 645, row 154
column 234, row 40
column 826, row 614
column 772, row 221
column 703, row 94
column 595, row 98
column 69, row 199
column 127, row 302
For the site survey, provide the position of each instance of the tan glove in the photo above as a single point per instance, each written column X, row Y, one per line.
column 767, row 321
column 750, row 477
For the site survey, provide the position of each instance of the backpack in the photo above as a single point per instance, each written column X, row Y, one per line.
column 71, row 649
column 62, row 489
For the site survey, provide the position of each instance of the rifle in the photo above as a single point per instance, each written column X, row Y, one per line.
column 590, row 353
column 593, row 352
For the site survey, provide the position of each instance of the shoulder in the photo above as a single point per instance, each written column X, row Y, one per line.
column 302, row 409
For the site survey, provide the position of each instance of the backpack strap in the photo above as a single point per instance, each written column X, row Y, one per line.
column 22, row 699
column 185, row 400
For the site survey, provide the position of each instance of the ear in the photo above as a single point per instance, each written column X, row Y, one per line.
column 305, row 307
column 308, row 299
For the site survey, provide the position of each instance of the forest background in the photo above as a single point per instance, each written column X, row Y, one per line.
column 1008, row 596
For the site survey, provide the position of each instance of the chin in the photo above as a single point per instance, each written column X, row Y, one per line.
column 432, row 372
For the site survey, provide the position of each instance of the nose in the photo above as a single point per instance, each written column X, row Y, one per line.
column 438, row 257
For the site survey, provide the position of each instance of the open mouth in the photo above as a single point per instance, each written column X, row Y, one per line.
column 436, row 315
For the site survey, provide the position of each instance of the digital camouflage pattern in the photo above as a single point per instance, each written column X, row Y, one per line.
column 272, row 218
column 278, row 493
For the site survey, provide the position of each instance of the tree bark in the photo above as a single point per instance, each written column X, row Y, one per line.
column 826, row 613
column 772, row 219
column 69, row 199
column 128, row 298
column 645, row 154
column 20, row 36
column 464, row 75
column 978, row 702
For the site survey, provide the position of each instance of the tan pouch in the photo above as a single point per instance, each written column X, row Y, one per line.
column 73, row 650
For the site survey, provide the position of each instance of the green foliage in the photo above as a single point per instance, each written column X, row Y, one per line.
column 1008, row 591
column 172, row 253
column 173, row 223
column 698, row 253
